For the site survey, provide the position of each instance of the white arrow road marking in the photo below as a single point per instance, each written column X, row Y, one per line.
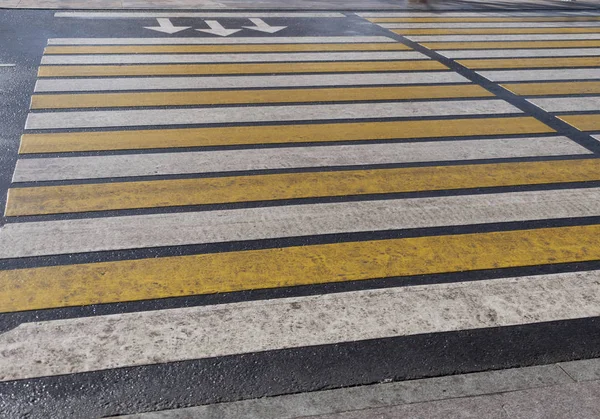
column 261, row 26
column 166, row 26
column 217, row 29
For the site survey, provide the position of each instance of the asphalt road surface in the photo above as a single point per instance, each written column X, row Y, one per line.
column 219, row 206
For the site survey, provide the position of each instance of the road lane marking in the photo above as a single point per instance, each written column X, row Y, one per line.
column 243, row 15
column 232, row 82
column 482, row 19
column 220, row 41
column 568, row 104
column 555, row 88
column 511, row 45
column 531, row 62
column 503, row 30
column 468, row 25
column 229, row 58
column 252, row 68
column 134, row 280
column 278, row 134
column 146, row 117
column 498, row 38
column 180, row 192
column 541, row 75
column 583, row 122
column 150, row 337
column 514, row 53
column 70, row 168
column 177, row 229
column 346, row 94
column 162, row 49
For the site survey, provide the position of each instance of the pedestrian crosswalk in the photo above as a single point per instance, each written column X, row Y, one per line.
column 157, row 169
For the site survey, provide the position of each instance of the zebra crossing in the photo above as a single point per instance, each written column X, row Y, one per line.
column 323, row 190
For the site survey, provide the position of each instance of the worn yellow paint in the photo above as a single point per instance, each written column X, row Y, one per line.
column 168, row 193
column 274, row 134
column 475, row 31
column 134, row 280
column 482, row 19
column 583, row 122
column 558, row 62
column 512, row 44
column 199, row 49
column 253, row 68
column 554, row 88
column 330, row 94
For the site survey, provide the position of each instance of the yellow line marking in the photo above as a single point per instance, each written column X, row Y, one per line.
column 583, row 122
column 199, row 49
column 557, row 62
column 554, row 88
column 278, row 134
column 168, row 193
column 481, row 19
column 352, row 94
column 511, row 44
column 134, row 280
column 256, row 68
column 475, row 31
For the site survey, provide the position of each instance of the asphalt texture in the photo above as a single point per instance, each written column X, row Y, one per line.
column 128, row 388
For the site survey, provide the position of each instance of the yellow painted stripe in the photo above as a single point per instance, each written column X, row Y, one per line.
column 199, row 49
column 512, row 44
column 556, row 62
column 111, row 282
column 475, row 31
column 278, row 134
column 346, row 94
column 166, row 193
column 481, row 19
column 554, row 88
column 583, row 122
column 256, row 68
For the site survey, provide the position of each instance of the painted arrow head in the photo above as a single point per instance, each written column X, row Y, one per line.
column 166, row 26
column 262, row 26
column 217, row 29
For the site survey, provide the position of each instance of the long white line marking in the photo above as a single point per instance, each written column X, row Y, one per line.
column 568, row 104
column 542, row 75
column 519, row 53
column 231, row 58
column 219, row 41
column 202, row 116
column 235, row 82
column 149, row 337
column 507, row 37
column 144, row 231
column 239, row 15
column 88, row 119
column 69, row 168
column 488, row 25
column 7, row 65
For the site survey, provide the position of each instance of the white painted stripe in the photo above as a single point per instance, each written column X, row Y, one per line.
column 201, row 116
column 505, row 37
column 239, row 15
column 231, row 82
column 482, row 15
column 231, row 58
column 488, row 25
column 542, row 75
column 215, row 41
column 7, row 65
column 150, row 337
column 568, row 104
column 518, row 53
column 176, row 229
column 69, row 168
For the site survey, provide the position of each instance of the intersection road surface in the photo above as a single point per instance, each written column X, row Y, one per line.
column 201, row 207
